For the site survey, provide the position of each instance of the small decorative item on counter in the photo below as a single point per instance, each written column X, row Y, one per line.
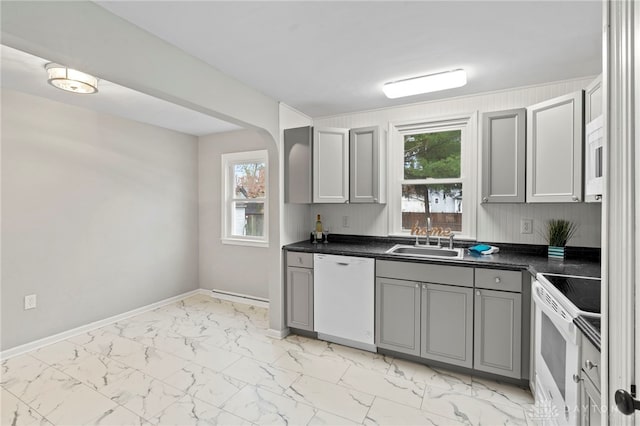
column 319, row 236
column 558, row 233
column 484, row 249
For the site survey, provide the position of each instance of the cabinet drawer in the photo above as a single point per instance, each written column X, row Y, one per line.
column 591, row 356
column 301, row 260
column 426, row 273
column 497, row 279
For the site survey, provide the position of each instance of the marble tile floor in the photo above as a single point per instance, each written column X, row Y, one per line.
column 205, row 361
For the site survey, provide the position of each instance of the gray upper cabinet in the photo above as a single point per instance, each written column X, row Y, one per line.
column 398, row 315
column 554, row 150
column 503, row 156
column 497, row 332
column 330, row 165
column 297, row 165
column 366, row 155
column 447, row 324
column 299, row 290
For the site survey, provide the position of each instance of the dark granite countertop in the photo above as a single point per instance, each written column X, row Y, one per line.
column 590, row 327
column 583, row 262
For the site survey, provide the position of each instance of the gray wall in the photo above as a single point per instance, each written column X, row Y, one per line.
column 231, row 268
column 99, row 216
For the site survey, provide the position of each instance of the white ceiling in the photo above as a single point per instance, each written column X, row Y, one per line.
column 326, row 58
column 26, row 73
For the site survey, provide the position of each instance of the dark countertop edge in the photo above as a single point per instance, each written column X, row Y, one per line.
column 511, row 258
column 591, row 333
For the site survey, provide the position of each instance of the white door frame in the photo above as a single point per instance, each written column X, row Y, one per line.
column 621, row 206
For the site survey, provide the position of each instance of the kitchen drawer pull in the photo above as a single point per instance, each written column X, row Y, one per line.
column 498, row 280
column 342, row 263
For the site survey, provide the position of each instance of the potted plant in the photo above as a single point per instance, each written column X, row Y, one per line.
column 559, row 232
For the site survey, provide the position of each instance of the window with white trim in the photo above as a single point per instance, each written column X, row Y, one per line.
column 245, row 198
column 430, row 186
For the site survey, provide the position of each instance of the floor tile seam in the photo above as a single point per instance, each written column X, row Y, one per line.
column 492, row 403
column 219, row 407
column 335, row 384
column 384, row 376
column 99, row 391
column 366, row 416
column 91, row 422
column 82, row 383
column 244, row 383
column 283, row 395
column 457, row 420
column 27, row 405
column 316, row 410
column 302, row 402
column 508, row 403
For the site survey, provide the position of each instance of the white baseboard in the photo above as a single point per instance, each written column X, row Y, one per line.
column 238, row 298
column 45, row 341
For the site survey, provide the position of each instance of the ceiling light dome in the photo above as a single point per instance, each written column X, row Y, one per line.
column 71, row 80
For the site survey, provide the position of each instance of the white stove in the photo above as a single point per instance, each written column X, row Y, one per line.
column 559, row 299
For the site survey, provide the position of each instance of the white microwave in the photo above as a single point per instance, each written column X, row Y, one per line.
column 594, row 158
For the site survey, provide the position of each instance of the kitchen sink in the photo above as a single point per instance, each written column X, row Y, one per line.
column 426, row 251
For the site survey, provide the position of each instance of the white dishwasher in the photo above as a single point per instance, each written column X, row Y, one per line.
column 343, row 300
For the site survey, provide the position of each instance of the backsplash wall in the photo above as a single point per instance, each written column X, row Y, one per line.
column 495, row 222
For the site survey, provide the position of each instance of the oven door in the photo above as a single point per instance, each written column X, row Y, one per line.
column 556, row 362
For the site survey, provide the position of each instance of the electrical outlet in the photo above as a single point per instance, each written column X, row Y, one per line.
column 30, row 301
column 345, row 221
column 526, row 226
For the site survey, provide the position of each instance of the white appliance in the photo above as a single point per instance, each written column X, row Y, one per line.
column 343, row 300
column 557, row 353
column 594, row 138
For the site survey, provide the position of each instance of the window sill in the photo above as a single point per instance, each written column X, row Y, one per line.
column 245, row 242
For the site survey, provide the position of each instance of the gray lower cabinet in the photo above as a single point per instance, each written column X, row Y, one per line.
column 398, row 315
column 590, row 407
column 300, row 291
column 447, row 324
column 497, row 331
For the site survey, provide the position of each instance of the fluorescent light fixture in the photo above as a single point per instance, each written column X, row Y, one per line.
column 425, row 84
column 71, row 80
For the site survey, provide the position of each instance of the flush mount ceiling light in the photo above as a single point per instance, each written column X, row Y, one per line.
column 71, row 80
column 425, row 84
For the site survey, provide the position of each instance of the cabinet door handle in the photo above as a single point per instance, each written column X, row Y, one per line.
column 417, row 285
column 485, row 200
column 477, row 292
column 575, row 198
column 590, row 365
column 375, row 200
column 300, row 260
